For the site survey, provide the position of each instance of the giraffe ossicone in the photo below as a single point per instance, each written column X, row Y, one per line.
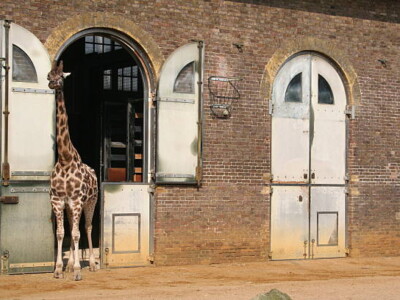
column 73, row 185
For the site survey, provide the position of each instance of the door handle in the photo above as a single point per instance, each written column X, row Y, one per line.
column 312, row 175
column 305, row 175
column 300, row 198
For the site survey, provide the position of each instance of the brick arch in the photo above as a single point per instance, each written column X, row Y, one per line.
column 61, row 34
column 326, row 48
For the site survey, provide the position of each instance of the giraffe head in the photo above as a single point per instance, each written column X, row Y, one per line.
column 56, row 76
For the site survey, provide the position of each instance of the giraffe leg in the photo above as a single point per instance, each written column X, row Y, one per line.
column 70, row 265
column 89, row 211
column 58, row 208
column 75, row 237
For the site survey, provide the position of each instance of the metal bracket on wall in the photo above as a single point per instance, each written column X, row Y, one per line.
column 270, row 107
column 350, row 111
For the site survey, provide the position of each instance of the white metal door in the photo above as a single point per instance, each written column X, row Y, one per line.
column 328, row 137
column 125, row 225
column 31, row 149
column 289, row 222
column 327, row 222
column 178, row 114
column 31, row 105
column 308, row 155
column 290, row 122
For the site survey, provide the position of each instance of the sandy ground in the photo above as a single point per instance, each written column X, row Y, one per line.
column 347, row 278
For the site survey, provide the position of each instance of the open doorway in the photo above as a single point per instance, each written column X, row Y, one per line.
column 104, row 97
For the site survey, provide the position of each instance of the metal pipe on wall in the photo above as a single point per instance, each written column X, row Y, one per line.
column 199, row 168
column 5, row 168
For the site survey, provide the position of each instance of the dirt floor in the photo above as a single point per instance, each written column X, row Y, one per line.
column 347, row 278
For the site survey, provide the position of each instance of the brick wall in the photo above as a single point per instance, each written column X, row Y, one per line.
column 228, row 218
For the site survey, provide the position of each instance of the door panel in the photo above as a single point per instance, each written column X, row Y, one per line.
column 26, row 228
column 328, row 142
column 31, row 105
column 289, row 222
column 178, row 116
column 125, row 225
column 290, row 123
column 22, row 225
column 327, row 222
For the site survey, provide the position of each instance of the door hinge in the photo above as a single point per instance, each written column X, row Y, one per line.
column 270, row 107
column 4, row 264
column 270, row 254
column 346, row 190
column 350, row 111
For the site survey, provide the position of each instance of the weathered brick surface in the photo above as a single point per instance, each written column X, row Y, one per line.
column 228, row 218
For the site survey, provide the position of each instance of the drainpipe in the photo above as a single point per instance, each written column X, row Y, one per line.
column 5, row 168
column 199, row 169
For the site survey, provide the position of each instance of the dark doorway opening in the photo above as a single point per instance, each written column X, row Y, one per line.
column 104, row 97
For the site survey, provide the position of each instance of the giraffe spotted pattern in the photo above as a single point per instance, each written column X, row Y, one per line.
column 73, row 185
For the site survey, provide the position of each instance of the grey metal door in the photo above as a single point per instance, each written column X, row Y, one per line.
column 308, row 160
column 26, row 231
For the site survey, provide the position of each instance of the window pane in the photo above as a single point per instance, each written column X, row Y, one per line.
column 325, row 95
column 98, row 39
column 134, row 71
column 98, row 48
column 107, row 48
column 22, row 67
column 88, row 48
column 119, row 83
column 134, row 84
column 294, row 90
column 89, row 38
column 126, row 83
column 107, row 80
column 184, row 82
column 107, row 41
column 127, row 71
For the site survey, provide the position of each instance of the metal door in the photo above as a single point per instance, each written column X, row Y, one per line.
column 125, row 225
column 328, row 135
column 179, row 116
column 308, row 155
column 26, row 231
column 289, row 221
column 290, row 122
column 327, row 222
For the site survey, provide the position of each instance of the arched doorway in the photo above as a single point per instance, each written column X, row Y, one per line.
column 308, row 160
column 106, row 97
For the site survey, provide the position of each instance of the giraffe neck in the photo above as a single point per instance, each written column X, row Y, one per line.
column 66, row 150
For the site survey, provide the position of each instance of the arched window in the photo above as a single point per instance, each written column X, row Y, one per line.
column 294, row 90
column 184, row 82
column 325, row 95
column 23, row 69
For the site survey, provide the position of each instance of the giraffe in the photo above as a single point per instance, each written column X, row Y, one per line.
column 73, row 184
